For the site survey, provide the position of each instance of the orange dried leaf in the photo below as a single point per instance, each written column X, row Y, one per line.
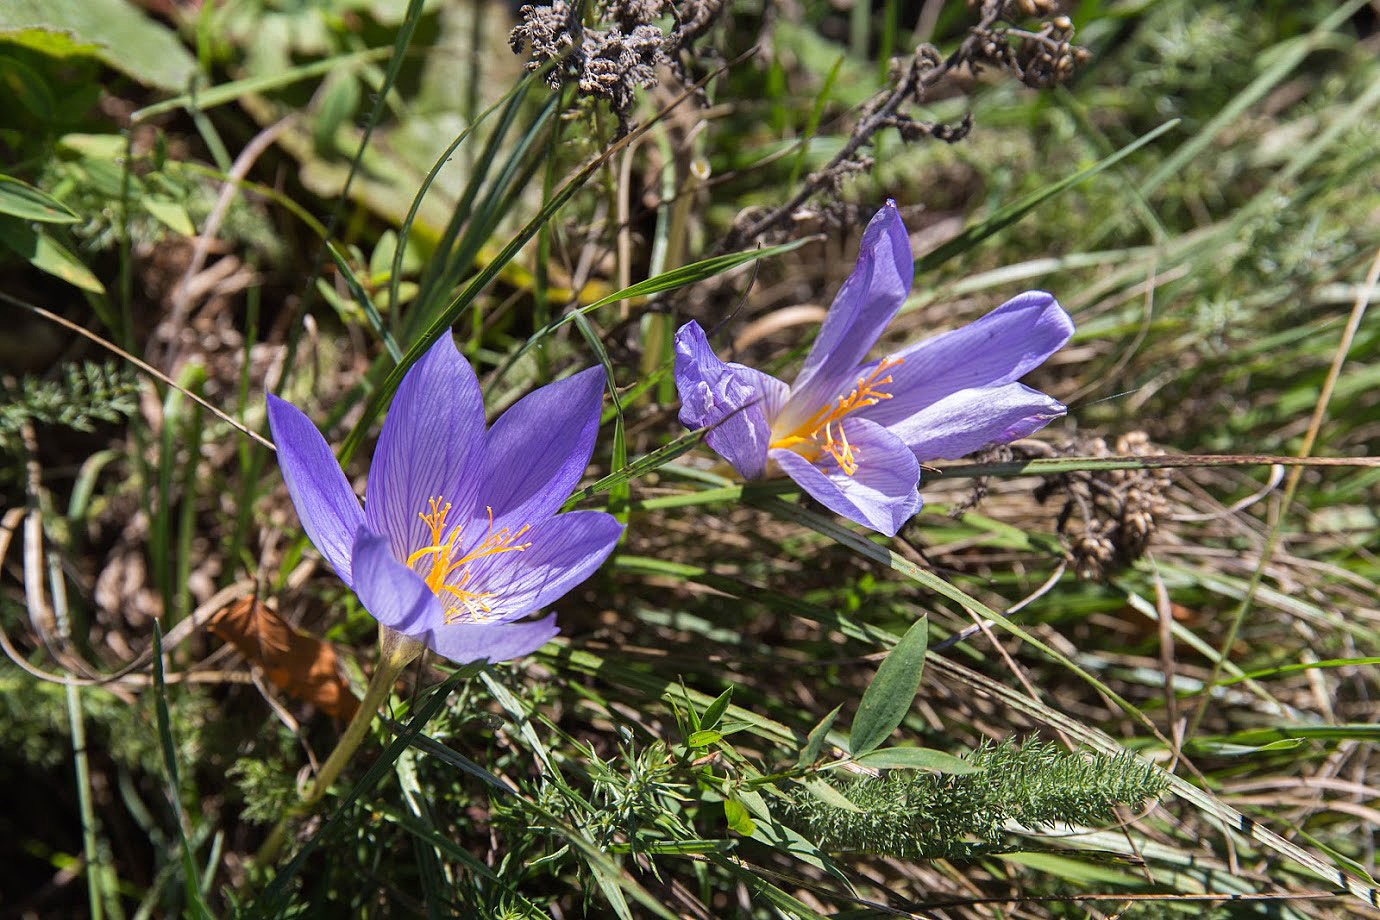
column 300, row 665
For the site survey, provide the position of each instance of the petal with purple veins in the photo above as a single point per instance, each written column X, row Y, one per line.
column 865, row 304
column 974, row 418
column 881, row 493
column 429, row 447
column 325, row 503
column 395, row 595
column 466, row 642
column 562, row 552
column 538, row 450
column 734, row 401
column 999, row 348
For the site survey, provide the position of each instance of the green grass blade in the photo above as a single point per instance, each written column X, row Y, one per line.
column 191, row 876
column 1009, row 214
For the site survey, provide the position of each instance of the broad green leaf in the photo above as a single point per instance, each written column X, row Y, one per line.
column 171, row 214
column 115, row 32
column 889, row 697
column 47, row 254
column 22, row 200
column 703, row 738
column 715, row 710
column 826, row 793
column 736, row 814
column 916, row 758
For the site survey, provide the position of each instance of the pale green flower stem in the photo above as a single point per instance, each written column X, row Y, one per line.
column 396, row 653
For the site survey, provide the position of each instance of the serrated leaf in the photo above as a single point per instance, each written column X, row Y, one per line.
column 889, row 697
column 22, row 200
column 916, row 758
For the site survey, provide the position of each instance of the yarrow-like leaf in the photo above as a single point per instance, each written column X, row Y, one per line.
column 853, row 433
column 459, row 537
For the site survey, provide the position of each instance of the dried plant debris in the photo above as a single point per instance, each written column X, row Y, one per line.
column 1109, row 516
column 300, row 665
column 617, row 55
column 1041, row 58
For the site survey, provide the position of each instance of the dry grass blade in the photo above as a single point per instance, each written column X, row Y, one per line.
column 1291, row 485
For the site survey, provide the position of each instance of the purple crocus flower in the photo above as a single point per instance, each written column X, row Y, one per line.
column 459, row 536
column 853, row 433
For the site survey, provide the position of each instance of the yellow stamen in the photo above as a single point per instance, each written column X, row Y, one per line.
column 822, row 433
column 459, row 604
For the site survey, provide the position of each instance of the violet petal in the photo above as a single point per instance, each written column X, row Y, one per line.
column 538, row 450
column 395, row 595
column 466, row 642
column 999, row 348
column 881, row 493
column 975, row 418
column 731, row 399
column 325, row 503
column 865, row 304
column 430, row 442
column 563, row 551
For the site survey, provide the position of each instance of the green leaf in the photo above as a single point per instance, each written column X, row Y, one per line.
column 362, row 298
column 826, row 793
column 715, row 711
column 916, row 758
column 1227, row 749
column 22, row 200
column 339, row 100
column 27, row 87
column 113, row 31
column 889, row 697
column 703, row 738
column 171, row 214
column 736, row 814
column 815, row 741
column 47, row 254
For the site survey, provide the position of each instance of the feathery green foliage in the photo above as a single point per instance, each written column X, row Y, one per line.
column 85, row 395
column 1034, row 784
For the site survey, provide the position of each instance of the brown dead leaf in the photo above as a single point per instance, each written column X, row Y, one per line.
column 300, row 665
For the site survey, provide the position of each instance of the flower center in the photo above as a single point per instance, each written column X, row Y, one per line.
column 459, row 604
column 822, row 433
